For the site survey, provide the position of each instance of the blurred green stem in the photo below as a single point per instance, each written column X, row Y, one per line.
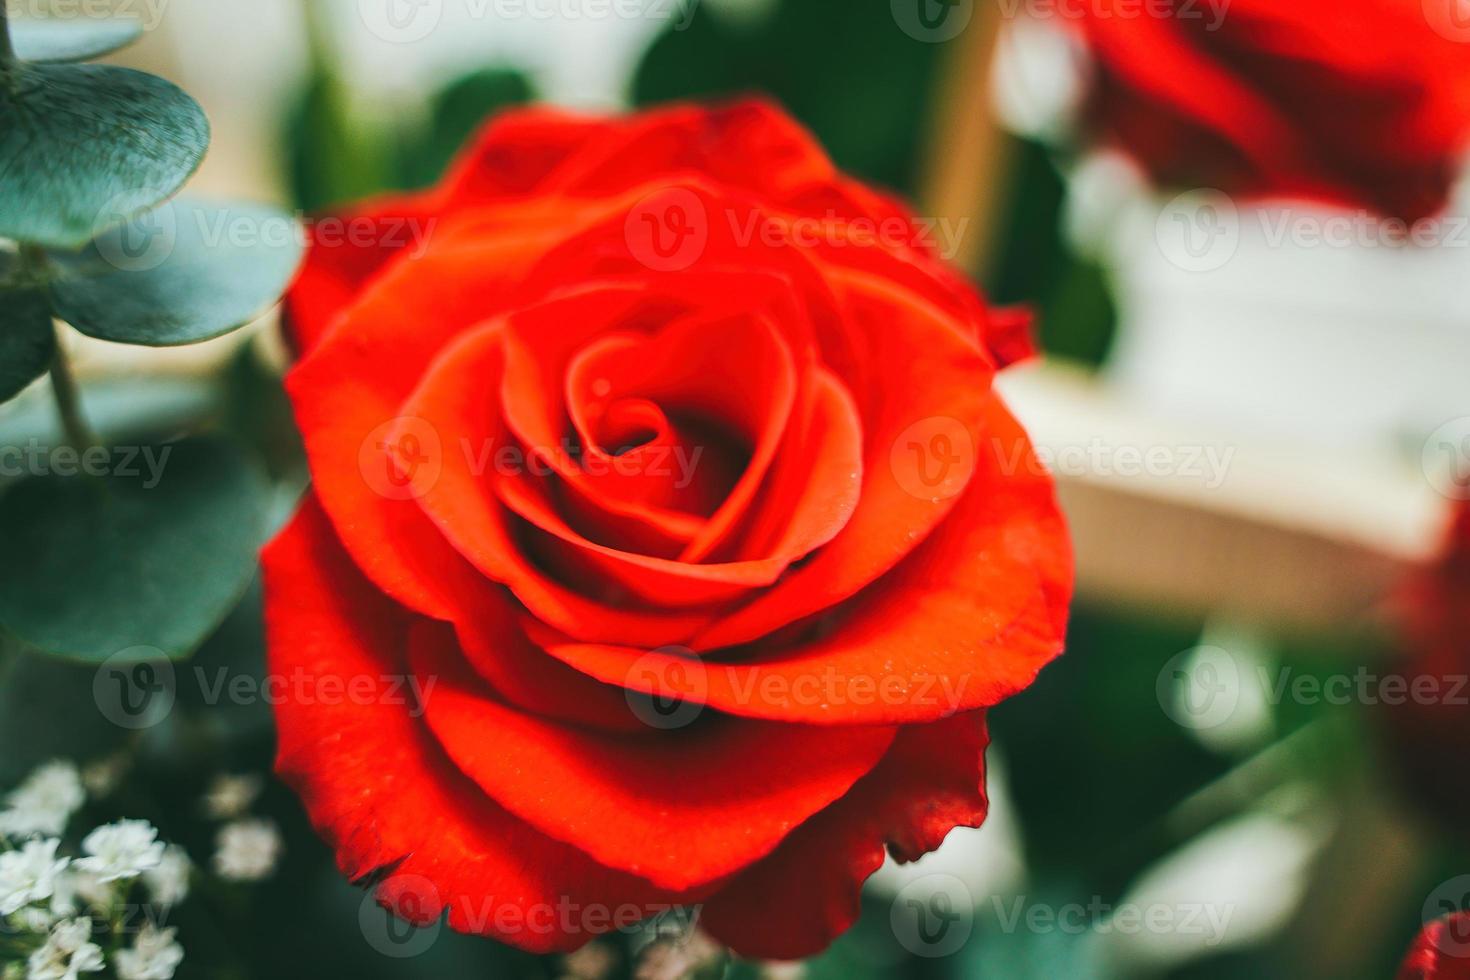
column 63, row 382
column 69, row 401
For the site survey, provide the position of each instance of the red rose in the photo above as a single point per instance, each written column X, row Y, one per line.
column 1441, row 951
column 1364, row 103
column 669, row 471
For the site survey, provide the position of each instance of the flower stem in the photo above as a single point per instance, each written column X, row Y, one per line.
column 69, row 402
column 63, row 382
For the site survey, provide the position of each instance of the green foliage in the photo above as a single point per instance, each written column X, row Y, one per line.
column 27, row 341
column 456, row 112
column 851, row 75
column 126, row 410
column 183, row 273
column 47, row 712
column 80, row 39
column 84, row 147
column 120, row 561
column 116, row 547
column 1038, row 267
column 332, row 159
column 329, row 159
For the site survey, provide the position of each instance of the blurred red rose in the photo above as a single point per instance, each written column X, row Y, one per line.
column 1431, row 729
column 662, row 461
column 1441, row 951
column 1365, row 103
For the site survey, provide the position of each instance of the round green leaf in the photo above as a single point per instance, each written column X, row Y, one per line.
column 27, row 340
column 74, row 39
column 154, row 554
column 84, row 147
column 120, row 409
column 179, row 274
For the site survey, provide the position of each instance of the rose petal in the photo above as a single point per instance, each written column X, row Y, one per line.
column 965, row 621
column 680, row 809
column 931, row 781
column 379, row 789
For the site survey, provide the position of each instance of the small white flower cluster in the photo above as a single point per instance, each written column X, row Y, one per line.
column 44, row 802
column 58, row 911
column 66, row 915
column 246, row 849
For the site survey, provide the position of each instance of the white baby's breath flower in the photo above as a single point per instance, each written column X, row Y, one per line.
column 34, row 918
column 44, row 802
column 124, row 849
column 154, row 956
column 67, row 953
column 595, row 961
column 247, row 850
column 78, row 891
column 103, row 776
column 230, row 796
column 29, row 874
column 168, row 883
column 783, row 970
column 675, row 957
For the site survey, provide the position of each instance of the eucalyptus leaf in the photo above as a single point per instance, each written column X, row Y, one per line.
column 180, row 274
column 85, row 147
column 56, row 40
column 153, row 555
column 120, row 409
column 27, row 340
